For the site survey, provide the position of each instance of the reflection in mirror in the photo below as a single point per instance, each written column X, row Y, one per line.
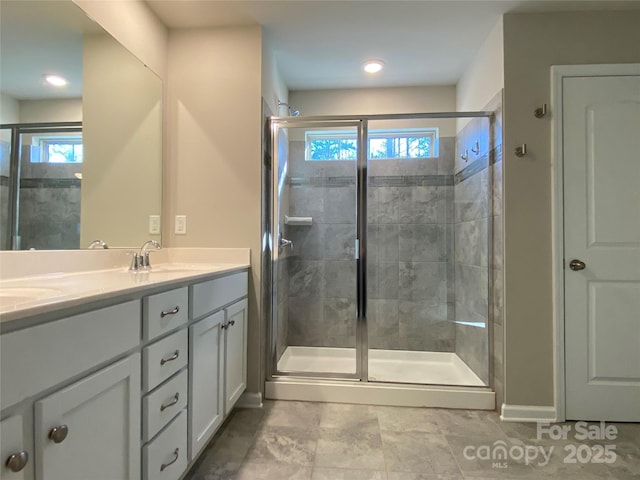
column 97, row 173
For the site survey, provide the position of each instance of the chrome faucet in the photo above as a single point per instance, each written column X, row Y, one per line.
column 98, row 244
column 141, row 261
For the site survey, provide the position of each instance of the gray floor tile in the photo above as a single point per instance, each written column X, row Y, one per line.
column 292, row 414
column 284, row 445
column 272, row 471
column 349, row 449
column 346, row 474
column 418, row 452
column 421, row 476
column 405, row 419
column 469, row 423
column 361, row 418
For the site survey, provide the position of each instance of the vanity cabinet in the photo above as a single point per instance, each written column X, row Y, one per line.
column 131, row 391
column 218, row 353
column 235, row 353
column 16, row 457
column 91, row 429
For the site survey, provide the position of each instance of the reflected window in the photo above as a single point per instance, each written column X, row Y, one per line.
column 58, row 149
column 383, row 145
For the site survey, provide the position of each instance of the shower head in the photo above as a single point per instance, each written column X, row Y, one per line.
column 290, row 110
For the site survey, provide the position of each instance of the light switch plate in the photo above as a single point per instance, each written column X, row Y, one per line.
column 154, row 224
column 181, row 225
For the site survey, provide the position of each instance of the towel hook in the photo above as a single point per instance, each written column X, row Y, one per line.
column 541, row 112
column 521, row 151
column 476, row 148
column 465, row 156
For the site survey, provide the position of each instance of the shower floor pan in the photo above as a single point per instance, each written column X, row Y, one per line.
column 398, row 366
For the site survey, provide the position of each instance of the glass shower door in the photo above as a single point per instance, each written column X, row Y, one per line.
column 314, row 233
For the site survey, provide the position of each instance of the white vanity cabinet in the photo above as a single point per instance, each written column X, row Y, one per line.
column 74, row 384
column 128, row 391
column 218, row 354
column 91, row 429
column 16, row 457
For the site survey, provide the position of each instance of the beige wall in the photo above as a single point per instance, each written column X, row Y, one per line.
column 273, row 87
column 532, row 43
column 9, row 109
column 371, row 101
column 135, row 26
column 213, row 173
column 58, row 110
column 484, row 77
column 122, row 136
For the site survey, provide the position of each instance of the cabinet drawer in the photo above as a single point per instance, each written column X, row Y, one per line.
column 213, row 294
column 164, row 358
column 164, row 312
column 166, row 457
column 162, row 405
column 47, row 354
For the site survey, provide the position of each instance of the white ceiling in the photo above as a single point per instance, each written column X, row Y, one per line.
column 322, row 44
column 38, row 37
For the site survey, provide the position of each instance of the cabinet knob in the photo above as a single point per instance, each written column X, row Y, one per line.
column 17, row 461
column 232, row 322
column 59, row 433
column 224, row 326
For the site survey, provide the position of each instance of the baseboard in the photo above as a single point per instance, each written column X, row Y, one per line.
column 527, row 413
column 250, row 400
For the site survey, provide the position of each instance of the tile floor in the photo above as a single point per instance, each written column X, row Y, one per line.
column 325, row 441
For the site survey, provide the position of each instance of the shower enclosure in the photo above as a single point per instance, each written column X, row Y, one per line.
column 379, row 253
column 40, row 181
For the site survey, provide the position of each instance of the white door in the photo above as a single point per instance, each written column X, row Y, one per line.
column 601, row 154
column 205, row 412
column 91, row 429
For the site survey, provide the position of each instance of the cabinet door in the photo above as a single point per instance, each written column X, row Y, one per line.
column 14, row 454
column 205, row 393
column 101, row 417
column 235, row 365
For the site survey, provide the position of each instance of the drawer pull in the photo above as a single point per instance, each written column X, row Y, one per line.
column 171, row 403
column 171, row 358
column 59, row 433
column 164, row 313
column 17, row 461
column 165, row 465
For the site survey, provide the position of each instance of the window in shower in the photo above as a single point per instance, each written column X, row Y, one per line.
column 396, row 144
column 57, row 149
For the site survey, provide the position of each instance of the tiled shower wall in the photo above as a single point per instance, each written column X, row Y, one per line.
column 477, row 195
column 49, row 205
column 410, row 270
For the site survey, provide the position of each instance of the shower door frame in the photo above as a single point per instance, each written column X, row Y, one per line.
column 270, row 247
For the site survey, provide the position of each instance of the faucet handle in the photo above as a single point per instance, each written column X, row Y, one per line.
column 136, row 262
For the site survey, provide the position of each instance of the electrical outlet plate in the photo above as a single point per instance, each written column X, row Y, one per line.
column 181, row 225
column 154, row 224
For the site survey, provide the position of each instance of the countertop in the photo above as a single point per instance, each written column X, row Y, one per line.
column 45, row 293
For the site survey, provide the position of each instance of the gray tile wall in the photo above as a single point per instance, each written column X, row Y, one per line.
column 477, row 241
column 49, row 205
column 410, row 268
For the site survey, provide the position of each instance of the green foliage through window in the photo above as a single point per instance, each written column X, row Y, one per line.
column 397, row 144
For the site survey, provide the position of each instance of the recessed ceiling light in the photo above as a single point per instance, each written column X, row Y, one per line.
column 55, row 80
column 373, row 66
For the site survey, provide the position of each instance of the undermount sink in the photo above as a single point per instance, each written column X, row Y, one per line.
column 16, row 295
column 179, row 268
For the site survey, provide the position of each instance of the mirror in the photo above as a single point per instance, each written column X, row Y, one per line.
column 72, row 184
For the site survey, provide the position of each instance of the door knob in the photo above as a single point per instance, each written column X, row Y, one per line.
column 577, row 265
